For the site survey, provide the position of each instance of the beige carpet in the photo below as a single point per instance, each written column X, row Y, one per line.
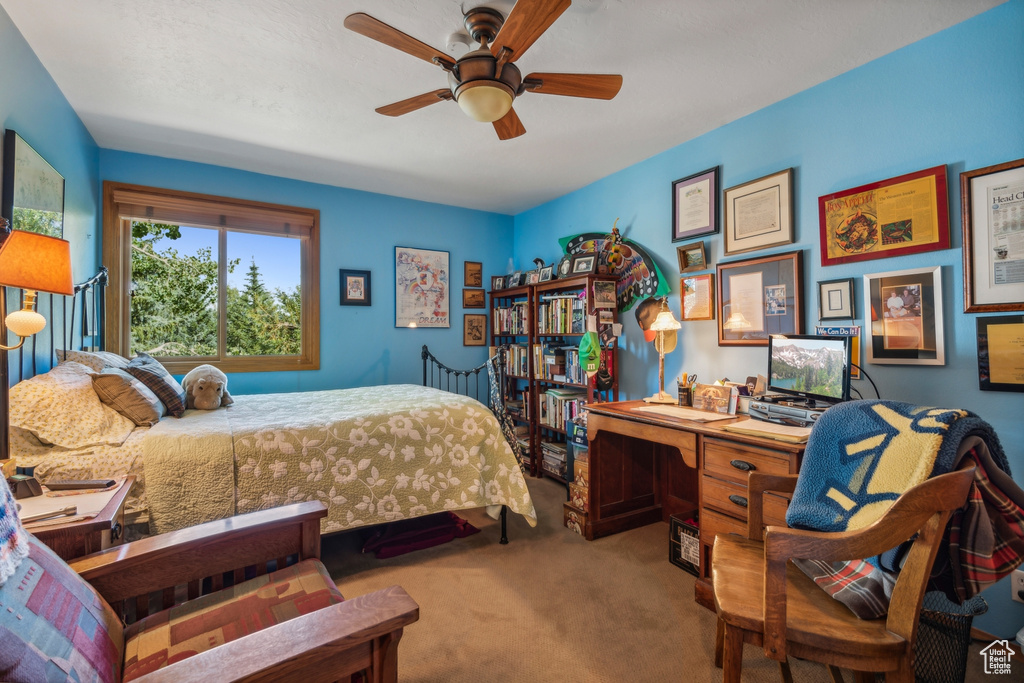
column 550, row 606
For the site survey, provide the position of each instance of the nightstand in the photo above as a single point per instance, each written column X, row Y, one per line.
column 86, row 536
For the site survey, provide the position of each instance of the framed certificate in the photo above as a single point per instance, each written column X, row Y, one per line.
column 1001, row 353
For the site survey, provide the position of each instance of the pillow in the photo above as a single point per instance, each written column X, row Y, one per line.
column 128, row 396
column 94, row 360
column 155, row 376
column 60, row 407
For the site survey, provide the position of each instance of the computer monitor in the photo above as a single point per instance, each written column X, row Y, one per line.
column 812, row 367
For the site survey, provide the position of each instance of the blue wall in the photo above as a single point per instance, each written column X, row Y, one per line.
column 955, row 98
column 358, row 345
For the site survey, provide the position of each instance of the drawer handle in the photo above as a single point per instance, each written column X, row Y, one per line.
column 743, row 465
column 738, row 500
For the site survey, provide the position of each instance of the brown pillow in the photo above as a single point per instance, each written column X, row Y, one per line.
column 128, row 396
column 155, row 376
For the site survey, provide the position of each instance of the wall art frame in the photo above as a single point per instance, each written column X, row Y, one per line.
column 1000, row 361
column 474, row 329
column 697, row 297
column 903, row 317
column 474, row 298
column 355, row 287
column 993, row 252
column 691, row 257
column 907, row 214
column 473, row 274
column 32, row 197
column 835, row 299
column 422, row 284
column 759, row 213
column 759, row 297
column 695, row 205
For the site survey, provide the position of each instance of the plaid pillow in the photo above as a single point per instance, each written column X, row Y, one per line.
column 150, row 372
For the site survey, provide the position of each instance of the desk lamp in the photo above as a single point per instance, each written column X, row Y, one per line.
column 663, row 323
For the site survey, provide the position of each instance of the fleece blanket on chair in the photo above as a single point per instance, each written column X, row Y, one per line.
column 861, row 456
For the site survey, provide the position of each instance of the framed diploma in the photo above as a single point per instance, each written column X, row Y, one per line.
column 903, row 317
column 695, row 205
column 697, row 293
column 759, row 214
column 759, row 297
column 903, row 215
column 1001, row 353
column 992, row 201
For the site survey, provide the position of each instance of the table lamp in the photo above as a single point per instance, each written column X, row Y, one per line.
column 663, row 323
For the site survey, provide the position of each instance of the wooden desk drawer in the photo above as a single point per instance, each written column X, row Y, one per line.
column 733, row 461
column 713, row 523
column 731, row 498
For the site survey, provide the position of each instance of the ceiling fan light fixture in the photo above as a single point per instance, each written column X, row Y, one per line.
column 485, row 101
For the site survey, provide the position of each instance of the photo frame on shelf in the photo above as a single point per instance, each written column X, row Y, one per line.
column 473, row 274
column 355, row 287
column 835, row 299
column 33, row 192
column 497, row 282
column 604, row 294
column 759, row 213
column 759, row 297
column 514, row 280
column 583, row 264
column 547, row 273
column 474, row 298
column 531, row 277
column 695, row 205
column 422, row 284
column 1000, row 361
column 992, row 203
column 697, row 294
column 691, row 257
column 474, row 329
column 907, row 214
column 903, row 317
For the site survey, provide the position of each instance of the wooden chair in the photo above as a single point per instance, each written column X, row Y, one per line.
column 330, row 644
column 762, row 598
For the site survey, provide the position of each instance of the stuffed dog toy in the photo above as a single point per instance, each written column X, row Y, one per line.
column 206, row 388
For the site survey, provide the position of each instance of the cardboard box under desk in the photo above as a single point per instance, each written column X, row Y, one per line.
column 573, row 518
column 684, row 544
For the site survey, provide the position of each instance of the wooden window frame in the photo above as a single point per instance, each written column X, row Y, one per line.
column 123, row 202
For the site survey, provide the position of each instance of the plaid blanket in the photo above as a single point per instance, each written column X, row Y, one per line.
column 862, row 455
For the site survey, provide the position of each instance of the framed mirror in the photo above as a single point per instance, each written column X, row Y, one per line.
column 33, row 191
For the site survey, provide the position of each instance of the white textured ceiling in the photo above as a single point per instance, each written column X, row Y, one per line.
column 281, row 87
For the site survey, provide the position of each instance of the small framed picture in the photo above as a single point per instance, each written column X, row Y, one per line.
column 514, row 280
column 474, row 329
column 903, row 317
column 759, row 213
column 547, row 273
column 474, row 298
column 474, row 274
column 532, row 277
column 1000, row 363
column 355, row 287
column 835, row 299
column 698, row 295
column 497, row 282
column 775, row 300
column 691, row 257
column 604, row 294
column 583, row 263
column 695, row 205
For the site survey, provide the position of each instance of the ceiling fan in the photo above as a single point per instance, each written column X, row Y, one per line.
column 486, row 80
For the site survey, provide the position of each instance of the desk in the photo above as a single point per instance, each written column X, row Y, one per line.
column 85, row 536
column 646, row 467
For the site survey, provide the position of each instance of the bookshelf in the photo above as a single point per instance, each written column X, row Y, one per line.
column 511, row 315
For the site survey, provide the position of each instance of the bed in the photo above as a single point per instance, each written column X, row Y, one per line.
column 371, row 455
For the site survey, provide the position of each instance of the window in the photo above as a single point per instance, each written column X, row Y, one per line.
column 202, row 279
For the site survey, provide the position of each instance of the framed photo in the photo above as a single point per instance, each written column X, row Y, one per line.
column 697, row 293
column 1000, row 362
column 547, row 273
column 695, row 205
column 604, row 294
column 759, row 297
column 474, row 298
column 473, row 274
column 759, row 213
column 33, row 191
column 691, row 257
column 835, row 299
column 514, row 280
column 532, row 277
column 422, row 281
column 355, row 287
column 497, row 282
column 584, row 263
column 903, row 317
column 903, row 215
column 474, row 329
column 992, row 201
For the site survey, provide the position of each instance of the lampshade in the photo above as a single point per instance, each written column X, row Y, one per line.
column 36, row 262
column 736, row 321
column 664, row 322
column 485, row 101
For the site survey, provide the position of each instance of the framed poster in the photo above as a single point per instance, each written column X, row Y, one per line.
column 1001, row 353
column 903, row 215
column 422, row 279
column 474, row 329
column 992, row 201
column 759, row 213
column 759, row 297
column 903, row 317
column 355, row 287
column 474, row 298
column 695, row 205
column 691, row 257
column 697, row 293
column 473, row 274
column 835, row 299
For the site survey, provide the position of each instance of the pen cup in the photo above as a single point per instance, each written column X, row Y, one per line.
column 684, row 395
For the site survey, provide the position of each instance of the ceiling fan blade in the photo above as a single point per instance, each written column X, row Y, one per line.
column 376, row 29
column 525, row 24
column 414, row 103
column 596, row 86
column 509, row 126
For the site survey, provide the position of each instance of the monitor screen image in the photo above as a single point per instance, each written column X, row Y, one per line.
column 811, row 367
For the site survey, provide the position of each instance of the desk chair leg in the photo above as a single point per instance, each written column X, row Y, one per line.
column 732, row 655
column 719, row 643
column 837, row 675
column 786, row 674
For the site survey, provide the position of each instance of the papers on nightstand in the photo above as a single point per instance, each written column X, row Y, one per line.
column 89, row 504
column 685, row 413
column 770, row 430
